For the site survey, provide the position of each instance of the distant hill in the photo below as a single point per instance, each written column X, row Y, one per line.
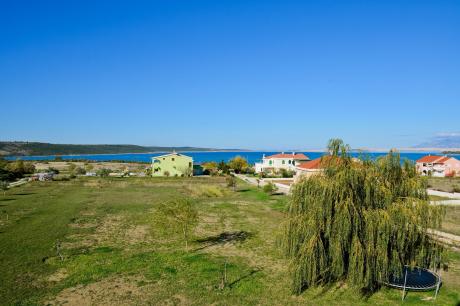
column 8, row 148
column 442, row 141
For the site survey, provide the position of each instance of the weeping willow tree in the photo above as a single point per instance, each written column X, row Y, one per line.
column 359, row 221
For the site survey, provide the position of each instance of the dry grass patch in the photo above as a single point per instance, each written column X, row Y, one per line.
column 109, row 291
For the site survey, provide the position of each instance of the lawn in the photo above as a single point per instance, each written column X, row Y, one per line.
column 117, row 250
column 451, row 222
column 447, row 184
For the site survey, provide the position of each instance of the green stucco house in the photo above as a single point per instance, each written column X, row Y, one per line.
column 173, row 164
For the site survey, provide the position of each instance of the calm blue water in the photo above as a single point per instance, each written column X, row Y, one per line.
column 199, row 157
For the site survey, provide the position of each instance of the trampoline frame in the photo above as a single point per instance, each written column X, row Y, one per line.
column 406, row 288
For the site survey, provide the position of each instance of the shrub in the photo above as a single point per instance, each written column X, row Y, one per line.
column 166, row 173
column 456, row 188
column 53, row 170
column 270, row 188
column 79, row 171
column 104, row 172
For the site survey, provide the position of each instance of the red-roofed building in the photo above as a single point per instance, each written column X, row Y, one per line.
column 439, row 166
column 276, row 162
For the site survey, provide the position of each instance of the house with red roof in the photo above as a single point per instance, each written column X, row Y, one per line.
column 276, row 162
column 440, row 166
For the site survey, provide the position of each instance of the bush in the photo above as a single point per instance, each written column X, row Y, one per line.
column 456, row 188
column 79, row 171
column 166, row 173
column 286, row 173
column 53, row 170
column 104, row 172
column 270, row 188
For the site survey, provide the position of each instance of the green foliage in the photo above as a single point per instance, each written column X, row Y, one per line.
column 223, row 167
column 238, row 164
column 79, row 171
column 166, row 173
column 286, row 173
column 53, row 170
column 180, row 213
column 210, row 168
column 104, row 172
column 270, row 188
column 359, row 221
column 19, row 168
column 456, row 188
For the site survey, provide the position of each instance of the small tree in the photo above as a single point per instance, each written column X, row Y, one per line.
column 210, row 167
column 231, row 182
column 104, row 172
column 181, row 214
column 79, row 171
column 270, row 188
column 223, row 167
column 166, row 173
column 4, row 187
column 238, row 164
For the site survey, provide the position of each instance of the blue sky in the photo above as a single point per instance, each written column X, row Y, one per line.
column 242, row 74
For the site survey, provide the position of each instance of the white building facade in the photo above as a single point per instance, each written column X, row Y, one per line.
column 274, row 163
column 439, row 166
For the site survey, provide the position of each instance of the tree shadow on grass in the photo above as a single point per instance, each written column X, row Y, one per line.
column 243, row 190
column 6, row 200
column 23, row 193
column 222, row 238
column 251, row 273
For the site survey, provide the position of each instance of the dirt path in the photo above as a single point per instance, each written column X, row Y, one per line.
column 252, row 180
column 447, row 238
column 453, row 195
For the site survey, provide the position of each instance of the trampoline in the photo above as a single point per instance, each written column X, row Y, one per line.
column 415, row 279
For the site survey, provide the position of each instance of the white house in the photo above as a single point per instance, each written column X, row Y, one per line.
column 439, row 166
column 280, row 161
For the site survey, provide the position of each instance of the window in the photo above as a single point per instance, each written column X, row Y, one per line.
column 293, row 162
column 270, row 163
column 289, row 162
column 283, row 162
column 190, row 164
column 172, row 159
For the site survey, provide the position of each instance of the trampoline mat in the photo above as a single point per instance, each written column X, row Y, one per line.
column 417, row 279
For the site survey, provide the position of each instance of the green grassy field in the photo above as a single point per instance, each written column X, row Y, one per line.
column 118, row 251
column 447, row 184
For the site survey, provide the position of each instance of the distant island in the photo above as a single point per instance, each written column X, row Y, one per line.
column 20, row 148
column 451, row 152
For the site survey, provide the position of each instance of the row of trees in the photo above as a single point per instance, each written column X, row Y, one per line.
column 9, row 171
column 238, row 164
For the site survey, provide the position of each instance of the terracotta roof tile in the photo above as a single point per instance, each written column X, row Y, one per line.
column 300, row 156
column 432, row 159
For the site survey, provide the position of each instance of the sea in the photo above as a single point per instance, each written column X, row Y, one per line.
column 200, row 157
